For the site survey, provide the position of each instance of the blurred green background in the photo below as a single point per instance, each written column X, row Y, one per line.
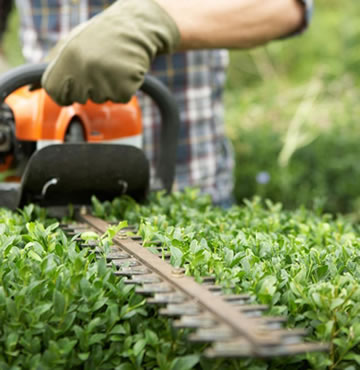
column 292, row 111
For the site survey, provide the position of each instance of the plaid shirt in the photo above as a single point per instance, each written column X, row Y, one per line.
column 196, row 78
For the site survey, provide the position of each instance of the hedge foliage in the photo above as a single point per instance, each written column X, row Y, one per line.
column 302, row 263
column 63, row 308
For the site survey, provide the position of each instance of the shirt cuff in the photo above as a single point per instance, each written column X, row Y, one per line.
column 308, row 13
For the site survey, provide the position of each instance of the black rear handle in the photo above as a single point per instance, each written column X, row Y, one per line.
column 30, row 74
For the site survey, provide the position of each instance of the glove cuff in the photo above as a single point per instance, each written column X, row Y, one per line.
column 173, row 37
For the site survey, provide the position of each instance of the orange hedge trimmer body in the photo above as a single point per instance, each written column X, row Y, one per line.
column 67, row 154
column 31, row 120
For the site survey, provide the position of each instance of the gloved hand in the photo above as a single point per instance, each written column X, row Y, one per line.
column 107, row 57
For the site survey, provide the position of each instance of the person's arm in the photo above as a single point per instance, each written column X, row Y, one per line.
column 233, row 23
column 107, row 57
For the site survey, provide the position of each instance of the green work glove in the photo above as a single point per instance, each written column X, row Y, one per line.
column 107, row 57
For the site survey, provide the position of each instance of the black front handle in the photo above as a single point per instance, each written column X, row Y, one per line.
column 30, row 74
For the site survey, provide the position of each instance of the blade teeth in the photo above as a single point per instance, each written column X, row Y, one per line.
column 154, row 288
column 272, row 322
column 303, row 348
column 188, row 309
column 75, row 232
column 195, row 322
column 290, row 337
column 131, row 271
column 90, row 244
column 117, row 255
column 143, row 279
column 112, row 249
column 285, row 349
column 214, row 288
column 241, row 348
column 167, row 298
column 252, row 308
column 208, row 280
column 236, row 298
column 71, row 231
column 268, row 338
column 233, row 349
column 129, row 262
column 217, row 333
column 166, row 255
column 70, row 227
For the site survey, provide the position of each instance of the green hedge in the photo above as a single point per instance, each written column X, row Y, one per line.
column 62, row 308
column 302, row 263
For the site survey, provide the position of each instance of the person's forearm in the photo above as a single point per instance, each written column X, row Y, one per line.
column 233, row 23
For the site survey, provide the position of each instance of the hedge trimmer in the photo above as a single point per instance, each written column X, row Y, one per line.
column 59, row 174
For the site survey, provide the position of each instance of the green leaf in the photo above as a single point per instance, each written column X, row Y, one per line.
column 93, row 324
column 68, row 321
column 59, row 303
column 12, row 340
column 41, row 309
column 185, row 362
column 194, row 246
column 139, row 346
column 101, row 267
column 162, row 361
column 84, row 356
column 35, row 256
column 52, row 227
column 336, row 303
column 229, row 256
column 321, row 271
column 96, row 338
column 268, row 286
column 84, row 283
column 66, row 345
column 118, row 329
column 2, row 296
column 99, row 303
column 151, row 337
column 89, row 235
column 176, row 256
column 98, row 208
column 353, row 356
column 317, row 299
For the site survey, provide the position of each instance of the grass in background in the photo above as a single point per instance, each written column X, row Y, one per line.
column 292, row 111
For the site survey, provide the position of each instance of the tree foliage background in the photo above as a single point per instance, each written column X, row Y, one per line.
column 292, row 114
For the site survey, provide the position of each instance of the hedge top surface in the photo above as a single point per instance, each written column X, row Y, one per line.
column 60, row 307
